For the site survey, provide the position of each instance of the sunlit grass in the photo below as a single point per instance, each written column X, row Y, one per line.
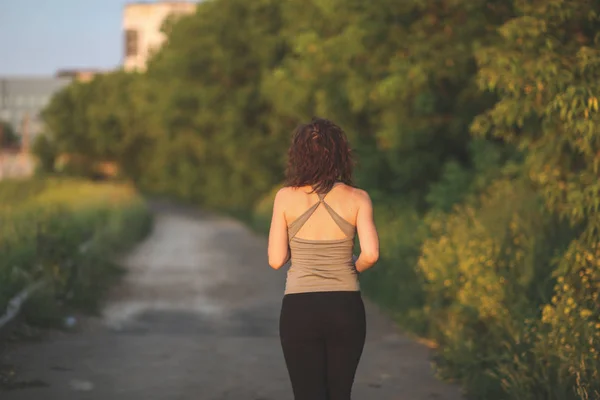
column 46, row 224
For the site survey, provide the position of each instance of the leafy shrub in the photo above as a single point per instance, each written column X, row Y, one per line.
column 65, row 234
column 488, row 271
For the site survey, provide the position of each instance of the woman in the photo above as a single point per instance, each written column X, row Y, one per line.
column 315, row 219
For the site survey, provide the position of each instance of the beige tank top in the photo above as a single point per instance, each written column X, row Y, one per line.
column 321, row 265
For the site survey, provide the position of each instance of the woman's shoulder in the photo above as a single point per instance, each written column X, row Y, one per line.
column 357, row 193
column 287, row 194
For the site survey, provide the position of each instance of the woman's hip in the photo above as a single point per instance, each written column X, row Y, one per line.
column 322, row 313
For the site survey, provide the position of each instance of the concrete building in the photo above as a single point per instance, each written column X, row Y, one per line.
column 81, row 75
column 142, row 23
column 16, row 164
column 23, row 98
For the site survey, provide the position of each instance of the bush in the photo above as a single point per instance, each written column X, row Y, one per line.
column 46, row 152
column 488, row 273
column 260, row 219
column 394, row 282
column 66, row 234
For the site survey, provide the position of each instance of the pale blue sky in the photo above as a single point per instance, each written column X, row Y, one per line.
column 38, row 37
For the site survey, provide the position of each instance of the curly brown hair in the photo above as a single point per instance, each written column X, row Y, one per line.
column 319, row 156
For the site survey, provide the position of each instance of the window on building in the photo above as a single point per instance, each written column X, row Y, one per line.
column 131, row 43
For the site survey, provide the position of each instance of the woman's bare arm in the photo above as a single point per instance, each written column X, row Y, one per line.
column 278, row 251
column 367, row 233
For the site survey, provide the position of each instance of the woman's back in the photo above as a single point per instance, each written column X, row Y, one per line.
column 320, row 234
column 331, row 218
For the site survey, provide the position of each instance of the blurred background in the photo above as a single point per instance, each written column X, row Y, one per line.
column 475, row 124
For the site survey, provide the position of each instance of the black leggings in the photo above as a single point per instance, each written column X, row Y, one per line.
column 322, row 336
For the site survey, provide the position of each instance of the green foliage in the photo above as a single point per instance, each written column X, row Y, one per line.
column 14, row 192
column 545, row 69
column 394, row 283
column 45, row 150
column 93, row 122
column 64, row 232
column 459, row 183
column 487, row 269
column 261, row 215
column 8, row 136
column 475, row 124
column 213, row 141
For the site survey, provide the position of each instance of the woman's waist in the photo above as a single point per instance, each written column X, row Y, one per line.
column 323, row 267
column 322, row 275
column 304, row 283
column 331, row 258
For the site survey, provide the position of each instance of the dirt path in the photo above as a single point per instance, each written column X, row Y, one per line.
column 197, row 318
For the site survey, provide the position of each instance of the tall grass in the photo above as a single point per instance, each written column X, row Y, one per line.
column 66, row 233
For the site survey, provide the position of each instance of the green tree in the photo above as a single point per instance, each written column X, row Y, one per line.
column 399, row 76
column 8, row 136
column 497, row 262
column 212, row 134
column 45, row 150
column 546, row 70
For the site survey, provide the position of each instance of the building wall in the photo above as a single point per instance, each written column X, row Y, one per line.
column 80, row 75
column 16, row 165
column 142, row 23
column 26, row 97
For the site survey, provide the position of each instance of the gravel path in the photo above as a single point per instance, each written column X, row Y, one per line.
column 197, row 318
